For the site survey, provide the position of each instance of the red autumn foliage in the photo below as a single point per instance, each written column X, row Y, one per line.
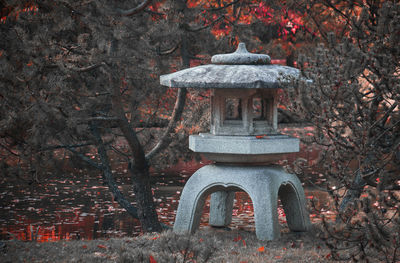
column 237, row 238
column 151, row 259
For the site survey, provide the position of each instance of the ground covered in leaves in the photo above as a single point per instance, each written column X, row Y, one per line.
column 207, row 245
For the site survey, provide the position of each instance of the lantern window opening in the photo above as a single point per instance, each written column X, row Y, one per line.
column 233, row 109
column 262, row 109
column 259, row 109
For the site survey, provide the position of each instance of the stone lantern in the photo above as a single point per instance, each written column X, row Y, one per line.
column 243, row 142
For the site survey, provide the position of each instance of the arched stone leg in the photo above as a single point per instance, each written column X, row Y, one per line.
column 260, row 182
column 189, row 209
column 265, row 204
column 221, row 206
column 293, row 201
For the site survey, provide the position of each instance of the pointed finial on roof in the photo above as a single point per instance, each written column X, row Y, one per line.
column 241, row 57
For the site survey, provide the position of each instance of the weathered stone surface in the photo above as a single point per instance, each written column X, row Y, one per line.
column 240, row 69
column 243, row 148
column 221, row 206
column 262, row 183
column 229, row 76
column 248, row 123
column 241, row 57
column 241, row 109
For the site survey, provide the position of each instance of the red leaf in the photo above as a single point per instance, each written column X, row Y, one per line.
column 236, row 239
column 84, row 246
column 151, row 259
column 244, row 242
column 261, row 249
column 102, row 246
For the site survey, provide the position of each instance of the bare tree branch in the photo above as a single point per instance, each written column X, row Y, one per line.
column 85, row 158
column 110, row 122
column 55, row 147
column 223, row 7
column 176, row 115
column 168, row 51
column 188, row 28
column 134, row 10
column 88, row 68
column 9, row 150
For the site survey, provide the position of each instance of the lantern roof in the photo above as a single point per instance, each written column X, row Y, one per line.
column 240, row 69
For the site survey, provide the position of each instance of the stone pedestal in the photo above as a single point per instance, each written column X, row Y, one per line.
column 264, row 184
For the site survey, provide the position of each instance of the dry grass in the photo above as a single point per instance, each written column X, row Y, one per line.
column 207, row 245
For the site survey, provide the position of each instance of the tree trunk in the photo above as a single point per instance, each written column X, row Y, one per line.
column 144, row 198
column 138, row 166
column 108, row 176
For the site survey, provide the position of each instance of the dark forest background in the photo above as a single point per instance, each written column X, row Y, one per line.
column 81, row 79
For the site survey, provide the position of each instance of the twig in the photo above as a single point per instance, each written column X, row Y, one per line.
column 9, row 150
column 122, row 153
column 188, row 28
column 222, row 7
column 88, row 68
column 86, row 159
